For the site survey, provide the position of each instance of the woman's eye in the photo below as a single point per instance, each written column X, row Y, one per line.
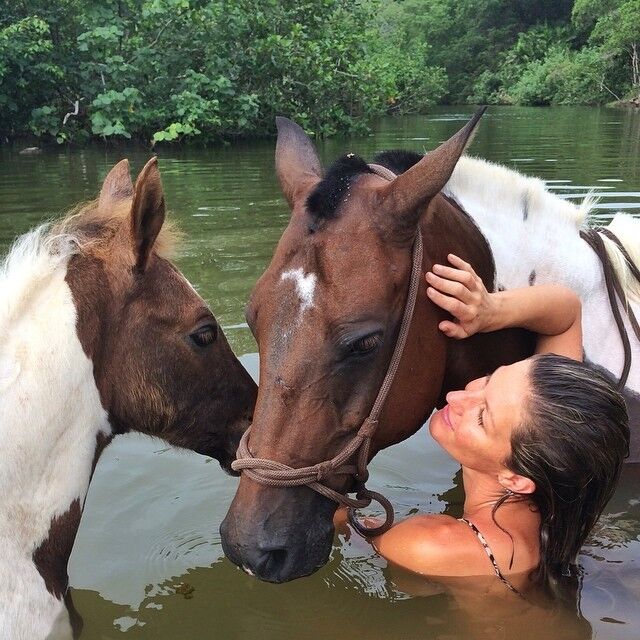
column 205, row 336
column 366, row 344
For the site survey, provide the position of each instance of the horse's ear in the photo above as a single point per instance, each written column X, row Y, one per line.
column 147, row 212
column 404, row 198
column 297, row 163
column 117, row 186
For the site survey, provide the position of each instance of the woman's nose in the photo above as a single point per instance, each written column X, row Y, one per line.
column 461, row 400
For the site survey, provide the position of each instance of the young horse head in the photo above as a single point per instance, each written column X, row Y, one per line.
column 101, row 335
column 326, row 314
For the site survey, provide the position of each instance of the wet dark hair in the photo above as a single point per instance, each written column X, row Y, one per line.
column 572, row 444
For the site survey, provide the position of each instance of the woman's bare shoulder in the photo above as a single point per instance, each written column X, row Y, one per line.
column 436, row 545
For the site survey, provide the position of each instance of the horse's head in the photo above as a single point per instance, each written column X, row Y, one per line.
column 161, row 362
column 326, row 315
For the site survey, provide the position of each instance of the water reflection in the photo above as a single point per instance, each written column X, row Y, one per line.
column 611, row 589
column 153, row 564
column 355, row 593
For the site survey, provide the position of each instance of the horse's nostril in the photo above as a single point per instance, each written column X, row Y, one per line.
column 278, row 557
column 270, row 563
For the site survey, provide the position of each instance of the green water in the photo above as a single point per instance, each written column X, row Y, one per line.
column 152, row 515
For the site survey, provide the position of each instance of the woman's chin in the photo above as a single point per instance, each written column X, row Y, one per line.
column 436, row 425
column 441, row 432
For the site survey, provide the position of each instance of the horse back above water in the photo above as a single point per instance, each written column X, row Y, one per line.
column 99, row 335
column 326, row 315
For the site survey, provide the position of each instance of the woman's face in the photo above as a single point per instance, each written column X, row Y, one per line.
column 475, row 425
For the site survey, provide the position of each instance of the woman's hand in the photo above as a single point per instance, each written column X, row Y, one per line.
column 552, row 311
column 461, row 292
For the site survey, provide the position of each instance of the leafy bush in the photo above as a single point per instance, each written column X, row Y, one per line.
column 27, row 74
column 541, row 69
column 170, row 70
column 176, row 70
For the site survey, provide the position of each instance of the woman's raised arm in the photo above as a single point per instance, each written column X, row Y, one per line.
column 553, row 311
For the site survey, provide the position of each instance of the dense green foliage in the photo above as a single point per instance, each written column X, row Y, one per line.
column 167, row 70
column 534, row 52
column 172, row 69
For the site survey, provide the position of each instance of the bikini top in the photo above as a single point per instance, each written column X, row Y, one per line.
column 487, row 549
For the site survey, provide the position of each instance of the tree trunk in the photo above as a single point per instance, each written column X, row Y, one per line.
column 635, row 68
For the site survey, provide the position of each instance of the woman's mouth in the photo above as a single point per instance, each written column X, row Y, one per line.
column 446, row 417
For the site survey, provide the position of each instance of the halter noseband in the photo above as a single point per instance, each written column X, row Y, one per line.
column 276, row 474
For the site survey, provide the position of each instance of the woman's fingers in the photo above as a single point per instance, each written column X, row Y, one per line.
column 458, row 290
column 452, row 305
column 453, row 288
column 458, row 275
column 459, row 263
column 452, row 330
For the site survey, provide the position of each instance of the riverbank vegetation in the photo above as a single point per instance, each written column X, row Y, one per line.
column 168, row 70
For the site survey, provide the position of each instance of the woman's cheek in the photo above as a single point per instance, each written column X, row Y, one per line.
column 470, row 440
column 464, row 435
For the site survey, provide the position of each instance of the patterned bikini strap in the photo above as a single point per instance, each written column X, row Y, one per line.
column 487, row 550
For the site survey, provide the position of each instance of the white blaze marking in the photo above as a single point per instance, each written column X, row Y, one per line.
column 305, row 286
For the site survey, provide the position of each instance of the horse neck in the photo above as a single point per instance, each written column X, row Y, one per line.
column 53, row 425
column 533, row 234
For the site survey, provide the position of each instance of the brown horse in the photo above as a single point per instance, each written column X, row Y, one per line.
column 101, row 335
column 326, row 315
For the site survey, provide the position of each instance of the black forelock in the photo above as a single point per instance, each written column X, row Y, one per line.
column 327, row 196
column 397, row 160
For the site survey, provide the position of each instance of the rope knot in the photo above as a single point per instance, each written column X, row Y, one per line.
column 368, row 428
column 323, row 470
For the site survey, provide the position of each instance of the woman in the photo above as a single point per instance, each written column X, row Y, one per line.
column 541, row 443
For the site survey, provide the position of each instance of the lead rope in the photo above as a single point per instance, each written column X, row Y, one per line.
column 276, row 474
column 593, row 238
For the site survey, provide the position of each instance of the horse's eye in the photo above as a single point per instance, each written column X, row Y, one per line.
column 367, row 344
column 205, row 335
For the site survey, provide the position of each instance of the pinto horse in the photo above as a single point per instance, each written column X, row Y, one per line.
column 101, row 335
column 326, row 316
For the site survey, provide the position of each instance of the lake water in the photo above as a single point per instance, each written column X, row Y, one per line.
column 148, row 561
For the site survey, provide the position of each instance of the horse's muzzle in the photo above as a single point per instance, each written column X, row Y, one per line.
column 278, row 534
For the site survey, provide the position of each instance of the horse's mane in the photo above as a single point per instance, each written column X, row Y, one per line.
column 498, row 188
column 325, row 199
column 93, row 227
column 627, row 230
column 38, row 255
column 493, row 183
column 516, row 191
column 31, row 262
